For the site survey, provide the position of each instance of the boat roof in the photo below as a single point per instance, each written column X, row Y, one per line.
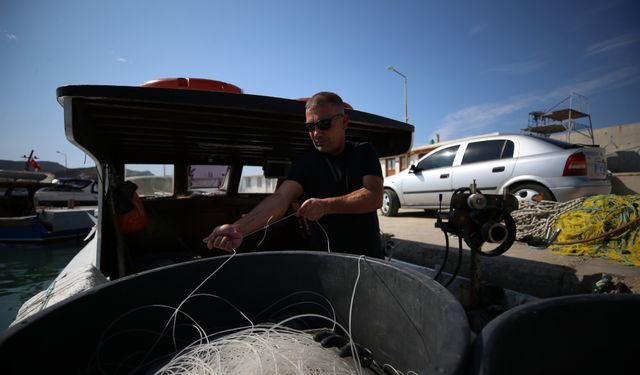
column 24, row 179
column 150, row 125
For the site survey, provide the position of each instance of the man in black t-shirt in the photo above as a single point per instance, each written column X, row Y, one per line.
column 340, row 183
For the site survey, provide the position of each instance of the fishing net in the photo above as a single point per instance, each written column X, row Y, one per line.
column 610, row 218
column 606, row 226
column 263, row 349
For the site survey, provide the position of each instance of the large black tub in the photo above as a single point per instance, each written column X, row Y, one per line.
column 406, row 319
column 582, row 334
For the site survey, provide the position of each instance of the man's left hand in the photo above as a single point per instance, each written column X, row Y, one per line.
column 312, row 209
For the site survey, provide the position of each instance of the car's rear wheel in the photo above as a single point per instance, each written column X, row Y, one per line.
column 531, row 193
column 390, row 203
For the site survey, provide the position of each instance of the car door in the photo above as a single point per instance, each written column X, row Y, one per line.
column 430, row 177
column 490, row 163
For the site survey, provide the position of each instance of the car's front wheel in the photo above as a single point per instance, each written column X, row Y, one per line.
column 531, row 193
column 390, row 203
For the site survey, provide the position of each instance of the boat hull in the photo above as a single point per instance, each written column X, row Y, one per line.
column 48, row 224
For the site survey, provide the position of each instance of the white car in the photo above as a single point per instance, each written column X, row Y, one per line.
column 83, row 192
column 520, row 164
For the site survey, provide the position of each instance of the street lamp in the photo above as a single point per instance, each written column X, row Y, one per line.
column 406, row 111
column 65, row 157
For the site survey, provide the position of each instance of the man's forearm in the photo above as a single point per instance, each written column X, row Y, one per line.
column 267, row 211
column 359, row 201
column 270, row 209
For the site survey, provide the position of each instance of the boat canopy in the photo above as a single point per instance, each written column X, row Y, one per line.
column 151, row 125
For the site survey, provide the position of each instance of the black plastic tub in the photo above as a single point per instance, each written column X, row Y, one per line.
column 581, row 334
column 406, row 319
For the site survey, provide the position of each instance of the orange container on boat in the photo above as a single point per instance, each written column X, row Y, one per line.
column 134, row 220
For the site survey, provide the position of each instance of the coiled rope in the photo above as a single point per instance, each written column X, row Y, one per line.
column 536, row 219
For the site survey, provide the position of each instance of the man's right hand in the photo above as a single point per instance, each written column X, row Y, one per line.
column 227, row 237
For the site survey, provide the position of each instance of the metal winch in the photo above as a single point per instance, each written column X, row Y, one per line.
column 477, row 219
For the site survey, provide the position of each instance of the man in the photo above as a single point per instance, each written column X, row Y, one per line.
column 340, row 183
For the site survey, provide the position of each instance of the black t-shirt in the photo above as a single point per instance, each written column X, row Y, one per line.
column 323, row 176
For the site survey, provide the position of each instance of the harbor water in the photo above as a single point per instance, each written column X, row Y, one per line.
column 28, row 268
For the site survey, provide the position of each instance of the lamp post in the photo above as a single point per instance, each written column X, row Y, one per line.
column 65, row 157
column 406, row 111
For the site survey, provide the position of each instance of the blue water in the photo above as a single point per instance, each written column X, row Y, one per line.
column 27, row 268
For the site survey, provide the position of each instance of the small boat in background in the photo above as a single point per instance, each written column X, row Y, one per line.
column 49, row 224
column 22, row 220
column 80, row 191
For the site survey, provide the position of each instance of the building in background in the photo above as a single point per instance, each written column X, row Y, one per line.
column 254, row 184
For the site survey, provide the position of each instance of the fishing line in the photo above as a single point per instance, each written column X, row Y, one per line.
column 396, row 371
column 332, row 311
column 105, row 339
column 269, row 349
column 287, row 350
column 266, row 228
column 47, row 295
column 325, row 234
column 205, row 353
column 202, row 283
column 399, row 304
column 354, row 352
column 188, row 358
column 267, row 225
column 255, row 340
column 173, row 316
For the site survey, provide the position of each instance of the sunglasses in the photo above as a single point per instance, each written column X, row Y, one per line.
column 322, row 124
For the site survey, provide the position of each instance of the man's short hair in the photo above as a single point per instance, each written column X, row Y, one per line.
column 323, row 98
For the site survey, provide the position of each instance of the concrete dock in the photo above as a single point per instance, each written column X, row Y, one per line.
column 526, row 269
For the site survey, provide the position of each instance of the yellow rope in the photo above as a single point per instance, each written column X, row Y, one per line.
column 604, row 226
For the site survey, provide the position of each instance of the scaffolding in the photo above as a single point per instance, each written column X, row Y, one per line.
column 563, row 120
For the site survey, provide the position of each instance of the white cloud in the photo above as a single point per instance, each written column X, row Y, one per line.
column 121, row 59
column 613, row 79
column 9, row 35
column 477, row 29
column 478, row 119
column 612, row 44
column 472, row 120
column 519, row 68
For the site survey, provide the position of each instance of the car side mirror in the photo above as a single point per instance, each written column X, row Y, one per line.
column 414, row 169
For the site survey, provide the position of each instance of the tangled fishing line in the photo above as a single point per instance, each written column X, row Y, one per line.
column 262, row 349
column 267, row 348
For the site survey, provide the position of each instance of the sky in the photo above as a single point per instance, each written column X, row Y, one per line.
column 472, row 67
